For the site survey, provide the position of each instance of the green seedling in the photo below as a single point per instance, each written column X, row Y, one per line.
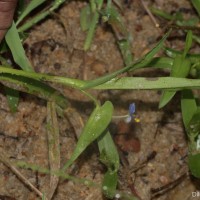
column 180, row 64
column 96, row 125
column 180, row 68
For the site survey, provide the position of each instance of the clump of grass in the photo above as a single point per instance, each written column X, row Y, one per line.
column 181, row 64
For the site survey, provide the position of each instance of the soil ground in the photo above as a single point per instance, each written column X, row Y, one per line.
column 153, row 152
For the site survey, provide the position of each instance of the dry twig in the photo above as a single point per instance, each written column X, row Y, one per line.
column 6, row 162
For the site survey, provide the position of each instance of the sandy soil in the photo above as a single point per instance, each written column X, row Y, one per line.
column 153, row 152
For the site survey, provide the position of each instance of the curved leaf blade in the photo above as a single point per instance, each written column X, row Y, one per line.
column 188, row 106
column 15, row 45
column 31, row 6
column 96, row 124
column 194, row 164
column 196, row 4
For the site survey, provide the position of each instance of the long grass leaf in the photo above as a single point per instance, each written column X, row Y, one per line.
column 138, row 64
column 142, row 83
column 40, row 16
column 34, row 87
column 31, row 6
column 15, row 45
column 180, row 68
column 196, row 4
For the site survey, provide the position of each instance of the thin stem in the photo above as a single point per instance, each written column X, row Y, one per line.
column 91, row 97
column 150, row 14
column 40, row 16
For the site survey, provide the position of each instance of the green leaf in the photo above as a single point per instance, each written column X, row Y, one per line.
column 40, row 16
column 75, row 83
column 109, row 184
column 196, row 4
column 108, row 152
column 160, row 62
column 157, row 48
column 91, row 31
column 143, row 83
column 15, row 45
column 12, row 98
column 34, row 87
column 125, row 48
column 99, row 4
column 166, row 97
column 3, row 47
column 193, row 132
column 180, row 68
column 194, row 164
column 12, row 95
column 188, row 43
column 110, row 157
column 31, row 6
column 161, row 13
column 194, row 58
column 113, row 17
column 138, row 64
column 193, row 128
column 85, row 18
column 188, row 106
column 95, row 126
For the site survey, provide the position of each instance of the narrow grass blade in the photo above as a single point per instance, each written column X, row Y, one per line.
column 12, row 98
column 196, row 4
column 180, row 68
column 40, row 16
column 194, row 58
column 85, row 18
column 188, row 106
column 138, row 64
column 11, row 94
column 157, row 48
column 31, row 6
column 142, row 83
column 137, row 83
column 54, row 146
column 114, row 18
column 91, row 31
column 15, row 45
column 125, row 49
column 160, row 62
column 109, row 156
column 188, row 43
column 161, row 13
column 34, row 87
column 95, row 126
column 75, row 83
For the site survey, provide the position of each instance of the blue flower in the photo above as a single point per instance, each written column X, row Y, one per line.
column 131, row 111
column 130, row 115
